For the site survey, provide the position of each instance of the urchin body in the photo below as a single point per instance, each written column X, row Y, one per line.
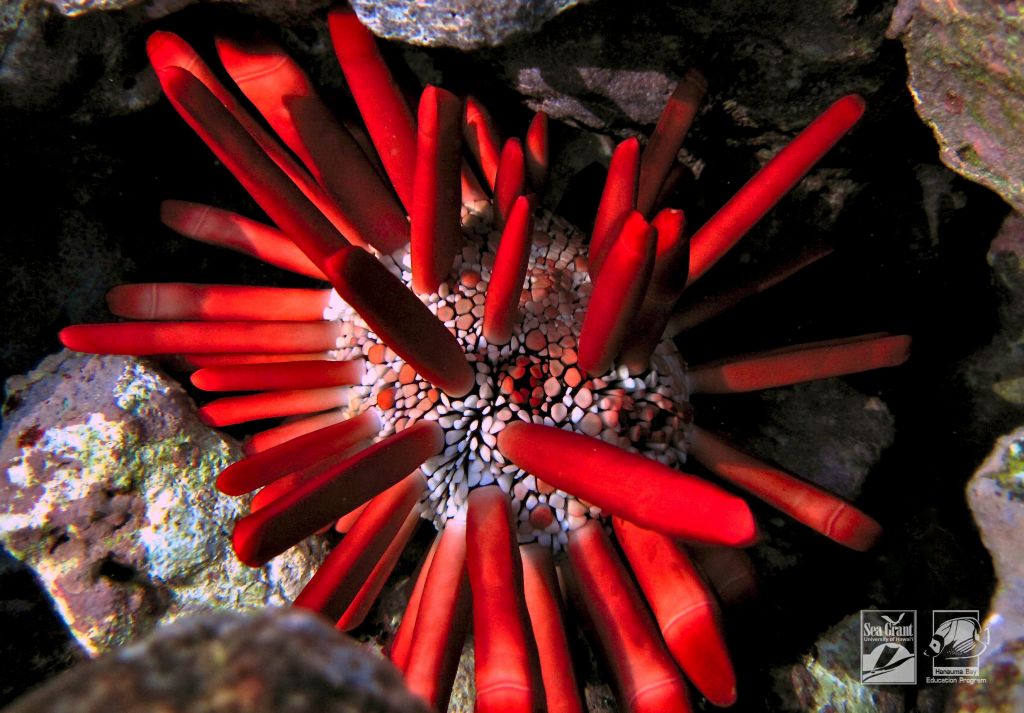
column 534, row 378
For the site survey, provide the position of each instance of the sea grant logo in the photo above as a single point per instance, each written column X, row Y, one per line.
column 888, row 646
column 957, row 641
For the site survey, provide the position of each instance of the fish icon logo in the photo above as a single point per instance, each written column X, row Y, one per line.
column 958, row 639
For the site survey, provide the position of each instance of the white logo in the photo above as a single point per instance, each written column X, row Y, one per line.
column 958, row 639
column 888, row 646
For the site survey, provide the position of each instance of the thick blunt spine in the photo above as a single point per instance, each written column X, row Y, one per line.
column 511, row 181
column 296, row 454
column 674, row 123
column 224, row 303
column 225, row 229
column 283, row 94
column 760, row 194
column 441, row 622
column 645, row 675
column 547, row 618
column 169, row 52
column 821, row 511
column 618, row 294
column 380, row 298
column 316, row 503
column 507, row 668
column 799, row 363
column 436, row 233
column 388, row 119
column 618, row 200
column 502, row 306
column 685, row 610
column 273, row 377
column 631, row 486
column 148, row 338
column 340, row 578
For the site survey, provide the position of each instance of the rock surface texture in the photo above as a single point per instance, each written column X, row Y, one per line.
column 996, row 373
column 463, row 24
column 85, row 58
column 606, row 66
column 996, row 497
column 826, row 431
column 107, row 494
column 276, row 661
column 966, row 60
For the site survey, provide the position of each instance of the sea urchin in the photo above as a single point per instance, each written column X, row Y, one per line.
column 486, row 368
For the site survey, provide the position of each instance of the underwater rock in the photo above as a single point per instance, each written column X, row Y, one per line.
column 85, row 58
column 1003, row 687
column 83, row 67
column 463, row 24
column 828, row 678
column 609, row 67
column 995, row 374
column 108, row 494
column 966, row 65
column 825, row 431
column 996, row 498
column 276, row 661
column 269, row 9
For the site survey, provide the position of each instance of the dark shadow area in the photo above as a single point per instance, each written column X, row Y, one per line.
column 36, row 644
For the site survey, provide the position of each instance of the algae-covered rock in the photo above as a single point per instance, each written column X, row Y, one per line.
column 996, row 497
column 966, row 60
column 108, row 494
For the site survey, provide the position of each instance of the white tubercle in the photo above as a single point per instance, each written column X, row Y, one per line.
column 533, row 378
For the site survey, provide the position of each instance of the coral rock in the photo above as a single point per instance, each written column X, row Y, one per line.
column 464, row 24
column 996, row 497
column 108, row 495
column 966, row 72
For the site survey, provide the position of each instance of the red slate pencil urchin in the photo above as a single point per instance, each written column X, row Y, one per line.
column 516, row 385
